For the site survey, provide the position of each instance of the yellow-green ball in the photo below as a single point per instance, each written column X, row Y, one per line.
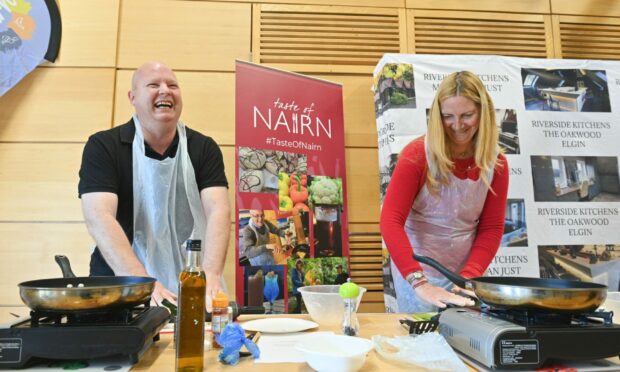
column 349, row 290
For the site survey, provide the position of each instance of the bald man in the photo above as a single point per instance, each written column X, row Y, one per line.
column 152, row 183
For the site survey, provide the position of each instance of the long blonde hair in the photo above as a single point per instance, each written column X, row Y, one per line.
column 464, row 84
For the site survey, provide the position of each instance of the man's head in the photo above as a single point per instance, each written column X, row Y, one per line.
column 155, row 94
column 299, row 264
column 258, row 217
column 339, row 268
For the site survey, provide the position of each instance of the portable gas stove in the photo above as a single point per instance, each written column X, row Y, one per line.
column 511, row 339
column 80, row 335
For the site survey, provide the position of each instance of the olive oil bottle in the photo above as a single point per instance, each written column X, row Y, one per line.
column 190, row 327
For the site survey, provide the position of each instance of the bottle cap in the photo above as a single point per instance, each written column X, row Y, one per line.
column 349, row 290
column 193, row 244
column 220, row 300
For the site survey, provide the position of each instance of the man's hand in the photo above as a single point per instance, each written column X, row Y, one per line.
column 213, row 287
column 440, row 297
column 160, row 293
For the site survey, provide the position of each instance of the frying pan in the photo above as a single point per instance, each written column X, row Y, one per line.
column 85, row 293
column 528, row 293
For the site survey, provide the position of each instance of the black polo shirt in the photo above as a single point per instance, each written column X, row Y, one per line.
column 107, row 166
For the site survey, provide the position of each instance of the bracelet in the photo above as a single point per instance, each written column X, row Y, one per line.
column 419, row 283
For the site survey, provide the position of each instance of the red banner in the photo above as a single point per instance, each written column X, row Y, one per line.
column 291, row 220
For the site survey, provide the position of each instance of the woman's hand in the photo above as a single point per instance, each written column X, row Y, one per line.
column 464, row 292
column 440, row 297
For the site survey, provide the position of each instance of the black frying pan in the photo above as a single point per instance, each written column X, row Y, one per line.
column 85, row 293
column 528, row 293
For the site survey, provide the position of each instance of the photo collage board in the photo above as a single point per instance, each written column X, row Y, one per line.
column 559, row 123
column 291, row 219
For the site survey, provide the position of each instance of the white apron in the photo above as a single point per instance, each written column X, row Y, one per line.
column 442, row 227
column 167, row 209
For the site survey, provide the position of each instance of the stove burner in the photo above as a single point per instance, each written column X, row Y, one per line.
column 530, row 318
column 517, row 340
column 81, row 335
column 87, row 317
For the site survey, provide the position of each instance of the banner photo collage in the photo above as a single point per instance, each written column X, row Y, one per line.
column 291, row 221
column 559, row 124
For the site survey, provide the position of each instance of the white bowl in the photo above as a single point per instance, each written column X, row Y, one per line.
column 325, row 305
column 334, row 353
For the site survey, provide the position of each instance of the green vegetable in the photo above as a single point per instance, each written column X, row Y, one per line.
column 286, row 204
column 398, row 98
column 422, row 316
column 326, row 190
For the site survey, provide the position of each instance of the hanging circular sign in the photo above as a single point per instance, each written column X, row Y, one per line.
column 29, row 35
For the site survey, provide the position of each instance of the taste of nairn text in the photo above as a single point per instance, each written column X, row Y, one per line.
column 293, row 144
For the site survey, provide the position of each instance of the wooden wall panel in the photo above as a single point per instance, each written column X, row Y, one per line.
column 366, row 260
column 458, row 32
column 587, row 37
column 605, row 8
column 28, row 251
column 360, row 128
column 58, row 104
column 208, row 102
column 89, row 32
column 365, row 3
column 362, row 185
column 324, row 39
column 518, row 6
column 363, row 227
column 39, row 182
column 187, row 35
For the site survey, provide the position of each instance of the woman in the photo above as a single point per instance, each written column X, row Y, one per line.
column 447, row 197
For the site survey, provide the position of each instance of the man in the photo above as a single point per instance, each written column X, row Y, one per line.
column 297, row 277
column 150, row 184
column 342, row 277
column 255, row 239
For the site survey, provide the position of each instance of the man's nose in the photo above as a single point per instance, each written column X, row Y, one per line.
column 163, row 88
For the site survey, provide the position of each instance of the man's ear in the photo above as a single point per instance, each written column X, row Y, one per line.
column 131, row 96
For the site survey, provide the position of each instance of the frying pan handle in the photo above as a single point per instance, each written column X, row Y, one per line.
column 453, row 277
column 65, row 266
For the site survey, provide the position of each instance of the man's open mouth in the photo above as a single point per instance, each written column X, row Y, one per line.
column 163, row 104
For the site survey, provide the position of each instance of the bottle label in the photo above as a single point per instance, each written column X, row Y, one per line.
column 215, row 324
column 218, row 322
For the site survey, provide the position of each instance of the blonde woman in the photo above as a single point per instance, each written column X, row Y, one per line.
column 447, row 197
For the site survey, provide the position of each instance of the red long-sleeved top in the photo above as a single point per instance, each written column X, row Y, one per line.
column 407, row 180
